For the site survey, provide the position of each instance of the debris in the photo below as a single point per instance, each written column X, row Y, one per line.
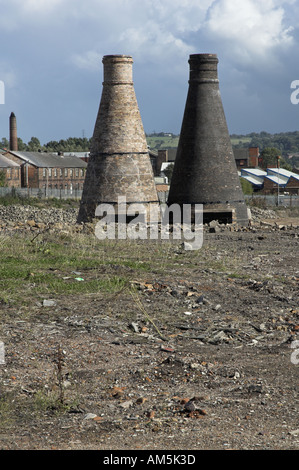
column 166, row 348
column 219, row 337
column 126, row 404
column 49, row 303
column 89, row 416
column 189, row 406
column 117, row 392
column 134, row 327
column 141, row 400
column 255, row 388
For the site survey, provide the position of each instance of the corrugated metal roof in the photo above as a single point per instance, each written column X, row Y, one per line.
column 280, row 171
column 282, row 181
column 253, row 180
column 50, row 160
column 253, row 171
column 295, row 176
column 76, row 154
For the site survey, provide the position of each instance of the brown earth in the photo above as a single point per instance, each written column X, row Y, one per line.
column 202, row 358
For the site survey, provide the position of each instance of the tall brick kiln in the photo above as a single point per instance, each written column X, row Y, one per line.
column 119, row 164
column 13, row 136
column 205, row 171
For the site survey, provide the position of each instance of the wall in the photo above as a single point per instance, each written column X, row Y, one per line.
column 13, row 177
column 61, row 178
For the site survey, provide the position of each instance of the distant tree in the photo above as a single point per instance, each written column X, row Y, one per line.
column 72, row 144
column 269, row 156
column 33, row 144
column 4, row 143
column 168, row 172
column 21, row 145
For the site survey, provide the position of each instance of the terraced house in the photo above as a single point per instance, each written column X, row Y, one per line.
column 11, row 171
column 48, row 170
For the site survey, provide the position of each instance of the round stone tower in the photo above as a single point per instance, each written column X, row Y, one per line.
column 205, row 171
column 119, row 164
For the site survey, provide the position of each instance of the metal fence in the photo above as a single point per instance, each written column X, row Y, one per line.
column 56, row 193
column 284, row 200
column 42, row 193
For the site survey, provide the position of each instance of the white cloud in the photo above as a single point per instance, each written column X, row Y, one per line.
column 251, row 29
column 89, row 60
column 151, row 31
column 7, row 75
column 40, row 6
column 150, row 42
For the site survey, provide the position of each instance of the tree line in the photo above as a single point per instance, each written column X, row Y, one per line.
column 286, row 143
column 72, row 144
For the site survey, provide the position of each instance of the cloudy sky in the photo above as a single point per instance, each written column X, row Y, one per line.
column 51, row 61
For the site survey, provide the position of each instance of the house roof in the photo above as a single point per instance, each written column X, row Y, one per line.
column 253, row 172
column 255, row 180
column 278, row 176
column 76, row 154
column 280, row 172
column 49, row 160
column 6, row 163
column 172, row 154
column 241, row 153
column 282, row 181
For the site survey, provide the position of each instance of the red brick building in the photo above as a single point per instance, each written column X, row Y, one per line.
column 47, row 170
column 11, row 170
column 247, row 157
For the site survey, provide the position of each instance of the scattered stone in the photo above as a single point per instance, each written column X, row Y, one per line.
column 166, row 348
column 255, row 388
column 134, row 327
column 32, row 223
column 189, row 406
column 219, row 337
column 126, row 404
column 49, row 303
column 89, row 416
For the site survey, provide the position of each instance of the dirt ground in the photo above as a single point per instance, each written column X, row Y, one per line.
column 206, row 360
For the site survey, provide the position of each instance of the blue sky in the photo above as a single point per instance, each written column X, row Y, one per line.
column 51, row 61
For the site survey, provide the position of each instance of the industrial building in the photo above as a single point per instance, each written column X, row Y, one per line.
column 270, row 180
column 40, row 170
column 11, row 171
column 46, row 170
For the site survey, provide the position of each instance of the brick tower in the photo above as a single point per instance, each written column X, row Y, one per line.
column 119, row 164
column 13, row 137
column 205, row 171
